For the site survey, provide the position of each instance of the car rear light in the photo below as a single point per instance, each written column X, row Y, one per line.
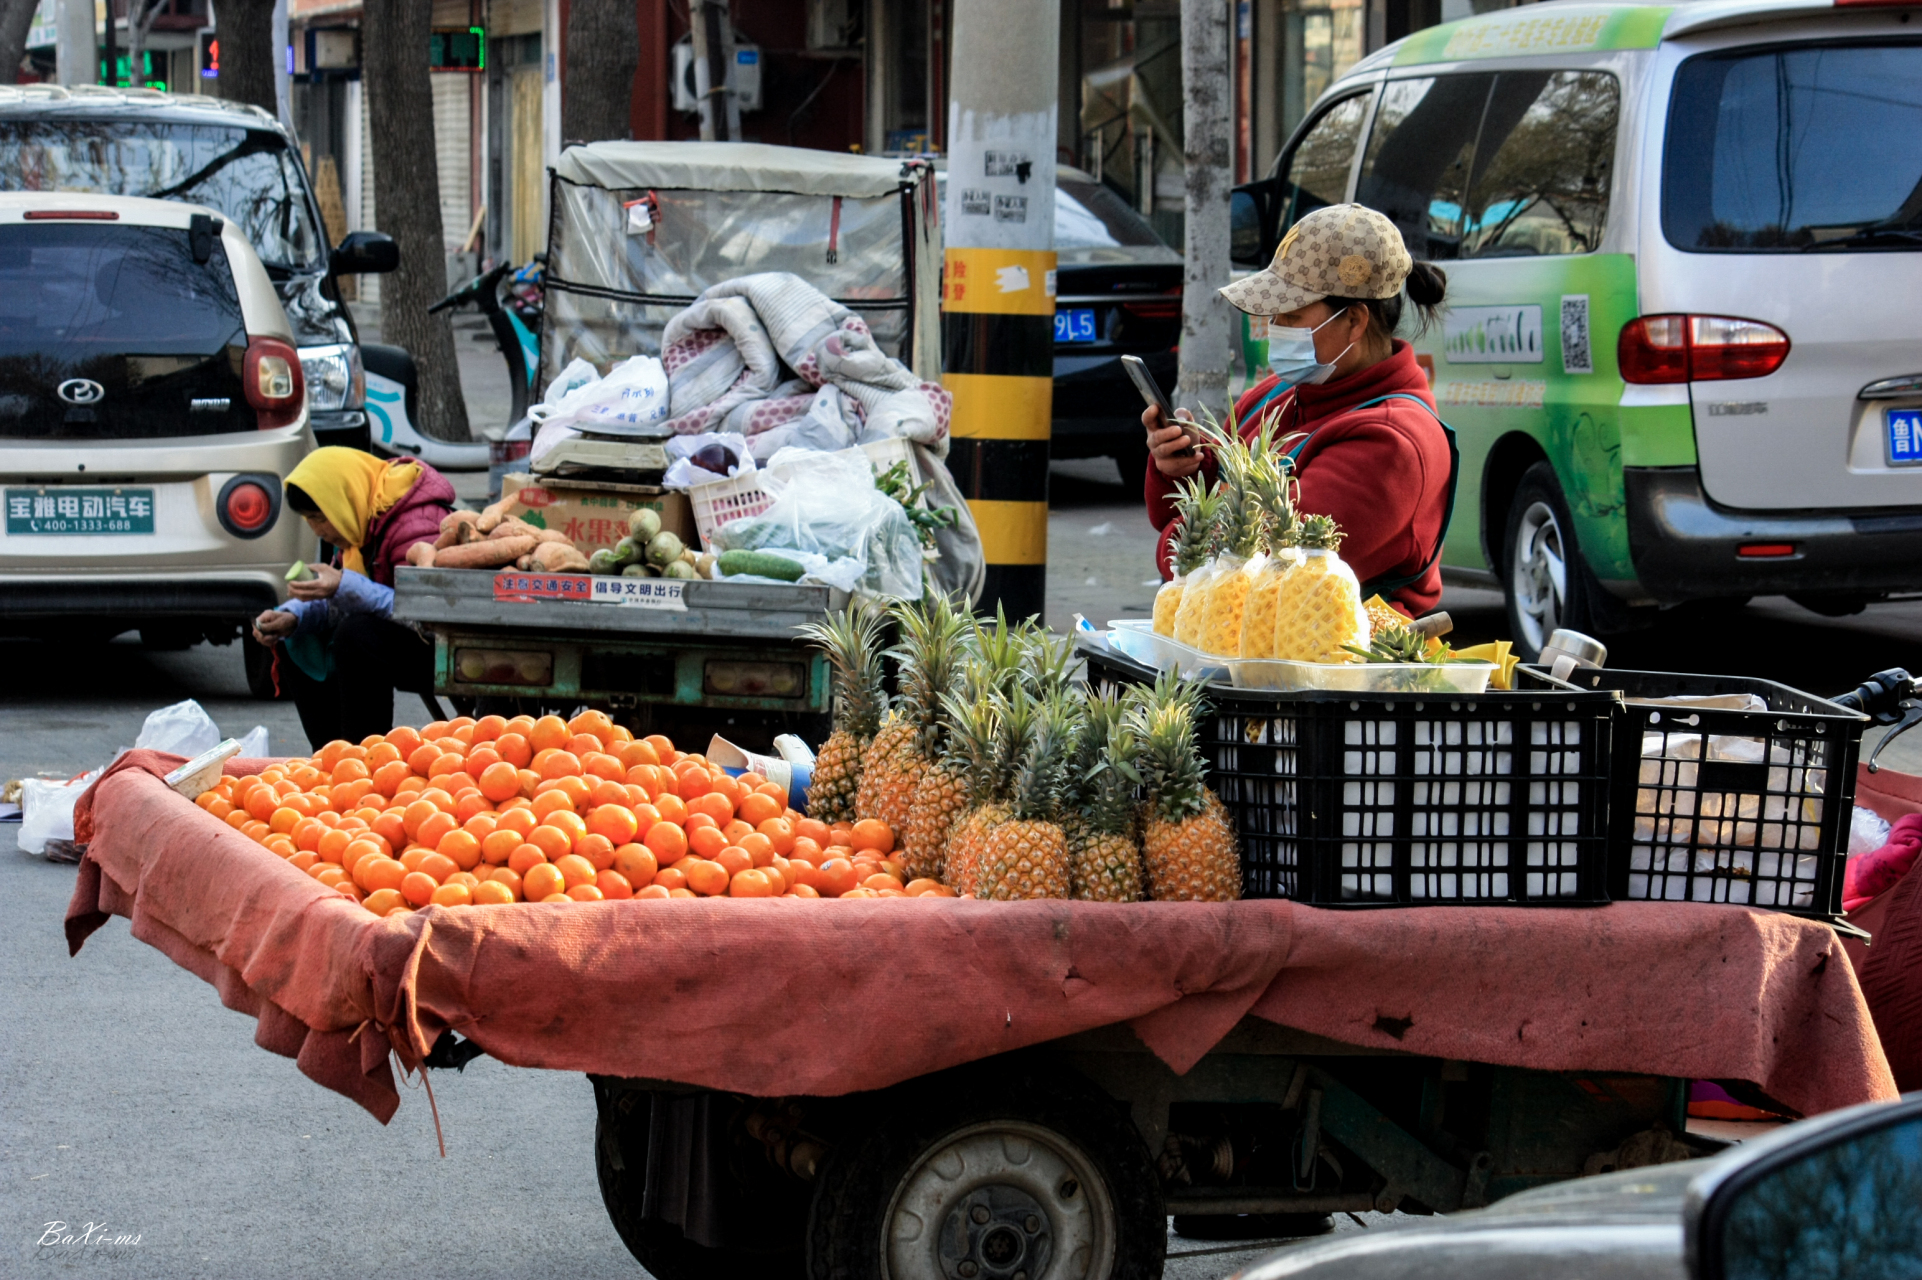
column 275, row 387
column 1657, row 349
column 1766, row 550
column 1166, row 307
column 248, row 505
column 83, row 215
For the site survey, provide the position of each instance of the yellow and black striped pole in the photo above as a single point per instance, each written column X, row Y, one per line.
column 998, row 287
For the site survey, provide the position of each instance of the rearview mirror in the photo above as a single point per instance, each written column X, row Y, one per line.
column 364, row 253
column 1244, row 230
column 1837, row 1196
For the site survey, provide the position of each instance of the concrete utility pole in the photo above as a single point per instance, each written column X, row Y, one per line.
column 1208, row 152
column 76, row 53
column 998, row 326
column 283, row 79
column 713, row 33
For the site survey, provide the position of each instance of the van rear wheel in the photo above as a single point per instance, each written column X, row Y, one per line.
column 1545, row 582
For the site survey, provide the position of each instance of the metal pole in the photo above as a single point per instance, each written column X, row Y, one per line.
column 998, row 321
column 713, row 34
column 76, row 53
column 1208, row 152
column 283, row 91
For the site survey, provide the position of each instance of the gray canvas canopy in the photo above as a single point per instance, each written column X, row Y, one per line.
column 861, row 229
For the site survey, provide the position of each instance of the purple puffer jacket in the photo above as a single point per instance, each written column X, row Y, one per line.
column 415, row 518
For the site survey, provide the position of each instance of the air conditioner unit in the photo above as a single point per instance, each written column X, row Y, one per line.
column 832, row 23
column 747, row 74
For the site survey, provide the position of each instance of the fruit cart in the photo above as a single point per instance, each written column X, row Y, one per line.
column 941, row 1087
column 685, row 658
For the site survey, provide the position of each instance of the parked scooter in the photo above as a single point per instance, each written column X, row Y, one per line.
column 513, row 326
column 393, row 381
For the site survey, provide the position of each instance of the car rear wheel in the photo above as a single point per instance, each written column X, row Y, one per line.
column 1544, row 580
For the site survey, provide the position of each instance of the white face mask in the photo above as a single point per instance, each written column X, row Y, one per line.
column 1291, row 353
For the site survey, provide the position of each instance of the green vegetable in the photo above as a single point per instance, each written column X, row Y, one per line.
column 896, row 483
column 679, row 569
column 644, row 525
column 297, row 571
column 665, row 548
column 627, row 551
column 637, row 571
column 762, row 564
column 604, row 561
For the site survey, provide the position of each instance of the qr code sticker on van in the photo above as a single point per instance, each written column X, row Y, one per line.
column 1575, row 353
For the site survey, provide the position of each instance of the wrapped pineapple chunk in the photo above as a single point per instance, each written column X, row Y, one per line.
column 1227, row 602
column 1196, row 508
column 1192, row 611
column 1243, row 464
column 1320, row 609
column 1281, row 536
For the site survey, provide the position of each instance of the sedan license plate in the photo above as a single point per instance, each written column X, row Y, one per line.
column 64, row 510
column 1905, row 436
column 1076, row 324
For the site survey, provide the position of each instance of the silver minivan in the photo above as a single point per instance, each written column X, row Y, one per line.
column 151, row 405
column 1683, row 245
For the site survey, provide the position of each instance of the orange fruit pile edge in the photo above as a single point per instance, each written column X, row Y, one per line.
column 493, row 811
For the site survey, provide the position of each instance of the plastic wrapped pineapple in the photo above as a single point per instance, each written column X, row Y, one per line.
column 1240, row 558
column 1320, row 612
column 1281, row 538
column 1197, row 508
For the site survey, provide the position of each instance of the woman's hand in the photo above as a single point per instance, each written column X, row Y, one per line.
column 1169, row 445
column 321, row 586
column 270, row 626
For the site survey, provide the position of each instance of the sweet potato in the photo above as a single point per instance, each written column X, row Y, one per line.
column 554, row 535
column 421, row 555
column 510, row 527
column 559, row 557
column 456, row 527
column 487, row 553
column 491, row 516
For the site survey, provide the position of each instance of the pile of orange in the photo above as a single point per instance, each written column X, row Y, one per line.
column 492, row 811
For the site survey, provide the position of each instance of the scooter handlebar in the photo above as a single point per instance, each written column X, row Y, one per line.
column 474, row 290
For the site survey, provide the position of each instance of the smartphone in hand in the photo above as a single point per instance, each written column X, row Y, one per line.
column 1151, row 394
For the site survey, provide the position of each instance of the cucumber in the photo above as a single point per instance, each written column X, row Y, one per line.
column 762, row 564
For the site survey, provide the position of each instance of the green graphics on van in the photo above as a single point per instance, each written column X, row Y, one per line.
column 1531, row 32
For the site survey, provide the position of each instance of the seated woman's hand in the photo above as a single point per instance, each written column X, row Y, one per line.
column 1173, row 452
column 272, row 625
column 321, row 586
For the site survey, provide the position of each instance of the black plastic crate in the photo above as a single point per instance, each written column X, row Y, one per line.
column 1358, row 800
column 1712, row 804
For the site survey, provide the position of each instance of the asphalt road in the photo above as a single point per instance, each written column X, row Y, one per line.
column 133, row 1099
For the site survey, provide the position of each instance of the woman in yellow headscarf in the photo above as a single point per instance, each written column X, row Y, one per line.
column 344, row 654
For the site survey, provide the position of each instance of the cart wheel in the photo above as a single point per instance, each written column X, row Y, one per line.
column 992, row 1177
column 659, row 1246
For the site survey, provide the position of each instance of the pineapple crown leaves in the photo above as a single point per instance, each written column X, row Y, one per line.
column 1100, row 710
column 851, row 639
column 974, row 726
column 930, row 656
column 1321, row 532
column 1048, row 665
column 1172, row 771
column 1198, row 512
column 1041, row 769
column 1277, row 492
column 1406, row 645
column 1107, row 764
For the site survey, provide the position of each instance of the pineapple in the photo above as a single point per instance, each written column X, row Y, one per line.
column 1187, row 840
column 1192, row 611
column 852, row 641
column 1382, row 614
column 1026, row 854
column 946, row 788
column 929, row 654
column 975, row 727
column 1274, row 489
column 1246, row 470
column 1105, row 858
column 1320, row 613
column 1197, row 508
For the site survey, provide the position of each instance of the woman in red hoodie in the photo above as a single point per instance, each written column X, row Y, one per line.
column 1375, row 456
column 341, row 654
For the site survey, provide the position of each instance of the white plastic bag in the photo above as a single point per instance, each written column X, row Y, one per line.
column 684, row 471
column 828, row 515
column 46, row 809
column 254, row 745
column 184, row 729
column 633, row 394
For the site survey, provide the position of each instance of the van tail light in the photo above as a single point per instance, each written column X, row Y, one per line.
column 1699, row 349
column 275, row 387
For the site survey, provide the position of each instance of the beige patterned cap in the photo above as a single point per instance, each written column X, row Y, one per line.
column 1345, row 250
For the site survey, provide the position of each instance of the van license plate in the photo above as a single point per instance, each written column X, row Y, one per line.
column 1905, row 436
column 1076, row 324
column 59, row 509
